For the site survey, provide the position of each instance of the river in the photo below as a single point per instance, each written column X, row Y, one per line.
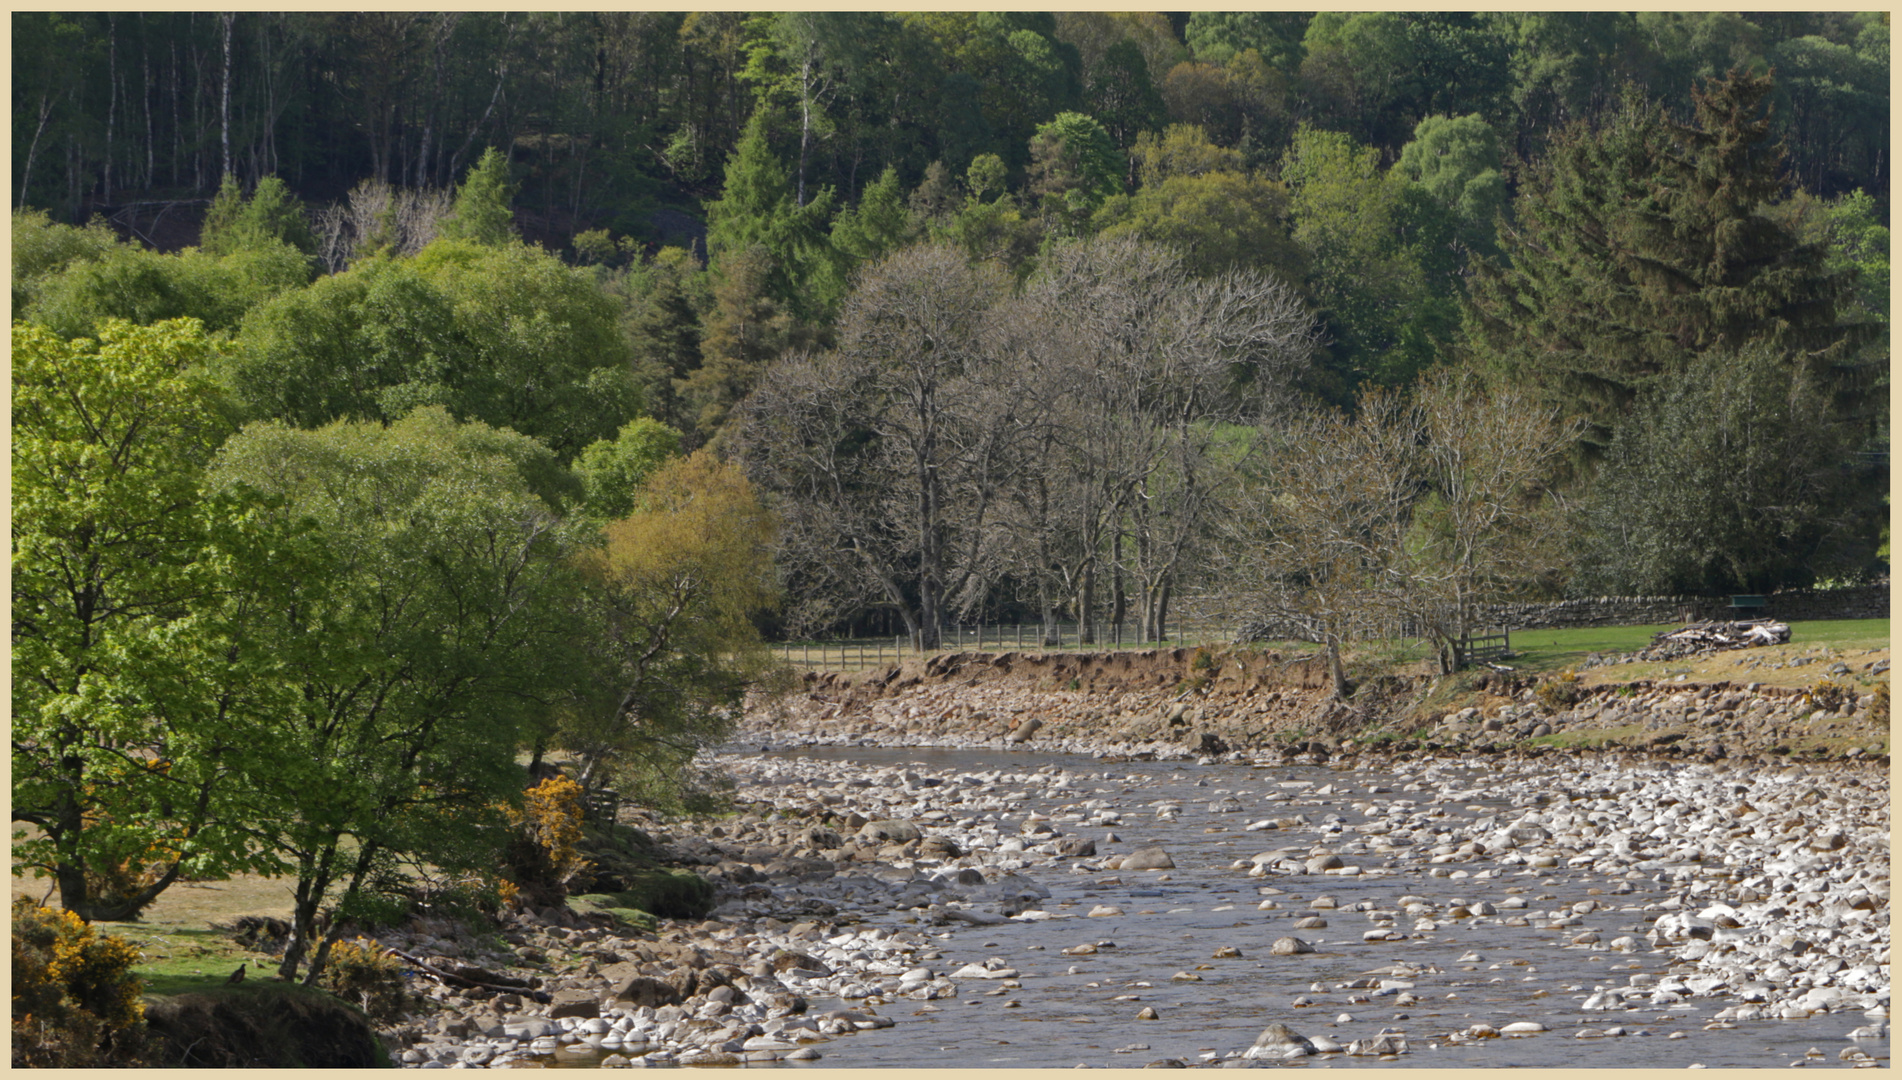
column 1445, row 979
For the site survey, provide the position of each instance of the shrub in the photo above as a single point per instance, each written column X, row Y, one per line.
column 1204, row 659
column 1561, row 691
column 544, row 855
column 1829, row 695
column 75, row 998
column 1879, row 707
column 359, row 972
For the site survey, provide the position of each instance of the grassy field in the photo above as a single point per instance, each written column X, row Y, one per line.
column 1855, row 642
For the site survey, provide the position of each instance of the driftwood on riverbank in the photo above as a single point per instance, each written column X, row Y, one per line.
column 1708, row 637
column 465, row 976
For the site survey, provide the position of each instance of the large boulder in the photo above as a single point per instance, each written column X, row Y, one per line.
column 890, row 832
column 1022, row 732
column 1149, row 858
column 1278, row 1042
column 583, row 1004
column 652, row 992
column 1290, row 946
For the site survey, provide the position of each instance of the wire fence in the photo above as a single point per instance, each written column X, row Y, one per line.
column 855, row 654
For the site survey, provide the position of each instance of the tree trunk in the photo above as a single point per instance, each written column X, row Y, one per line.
column 112, row 97
column 145, row 97
column 26, row 175
column 1119, row 600
column 1086, row 605
column 313, row 879
column 1336, row 673
column 805, row 125
column 335, row 930
column 224, row 106
column 1047, row 611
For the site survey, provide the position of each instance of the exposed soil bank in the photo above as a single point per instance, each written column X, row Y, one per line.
column 1179, row 703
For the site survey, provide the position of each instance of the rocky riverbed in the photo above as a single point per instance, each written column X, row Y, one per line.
column 1476, row 899
column 1596, row 901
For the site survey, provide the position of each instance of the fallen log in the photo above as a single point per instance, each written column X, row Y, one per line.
column 464, row 975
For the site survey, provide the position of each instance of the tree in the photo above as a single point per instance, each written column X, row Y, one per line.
column 481, row 214
column 666, row 297
column 1641, row 246
column 674, row 586
column 42, row 248
column 123, row 698
column 745, row 330
column 1197, row 198
column 1487, row 524
column 884, row 456
column 756, row 209
column 1073, row 167
column 613, row 471
column 430, row 624
column 1730, row 477
column 146, row 287
column 506, row 335
column 272, row 215
column 878, row 225
column 1129, row 367
column 1314, row 540
column 1456, row 159
column 1375, row 74
column 1121, row 94
column 1380, row 257
column 1218, row 36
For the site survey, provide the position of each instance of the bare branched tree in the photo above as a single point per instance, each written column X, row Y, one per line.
column 889, row 453
column 1490, row 522
column 1137, row 367
column 378, row 216
column 1315, row 539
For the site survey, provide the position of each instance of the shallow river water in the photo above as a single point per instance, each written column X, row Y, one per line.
column 1075, row 1009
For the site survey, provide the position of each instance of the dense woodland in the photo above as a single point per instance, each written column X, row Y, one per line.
column 394, row 393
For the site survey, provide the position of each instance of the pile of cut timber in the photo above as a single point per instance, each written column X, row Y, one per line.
column 1709, row 637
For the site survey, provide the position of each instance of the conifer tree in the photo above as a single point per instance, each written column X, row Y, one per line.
column 482, row 211
column 1642, row 246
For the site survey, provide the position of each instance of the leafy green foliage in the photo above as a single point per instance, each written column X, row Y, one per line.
column 272, row 215
column 756, row 210
column 1073, row 167
column 432, row 618
column 482, row 214
column 121, row 693
column 1726, row 477
column 1644, row 245
column 672, row 591
column 1456, row 159
column 1198, row 199
column 1381, row 266
column 42, row 248
column 145, row 287
column 612, row 471
column 506, row 335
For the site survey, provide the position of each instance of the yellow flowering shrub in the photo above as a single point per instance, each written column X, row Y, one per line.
column 360, row 972
column 75, row 998
column 546, row 854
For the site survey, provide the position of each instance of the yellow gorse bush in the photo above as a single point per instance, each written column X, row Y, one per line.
column 551, row 815
column 72, row 988
column 362, row 972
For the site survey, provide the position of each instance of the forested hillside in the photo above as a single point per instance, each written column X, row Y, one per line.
column 396, row 391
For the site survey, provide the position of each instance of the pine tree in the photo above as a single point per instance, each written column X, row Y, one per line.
column 1642, row 246
column 756, row 209
column 482, row 211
